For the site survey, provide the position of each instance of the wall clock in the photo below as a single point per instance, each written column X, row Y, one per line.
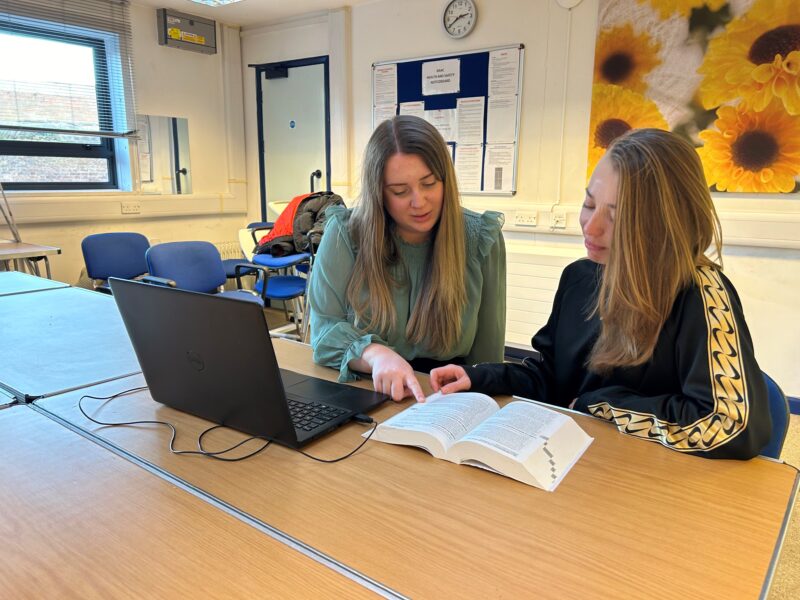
column 459, row 17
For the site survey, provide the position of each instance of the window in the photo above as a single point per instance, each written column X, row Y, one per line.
column 65, row 101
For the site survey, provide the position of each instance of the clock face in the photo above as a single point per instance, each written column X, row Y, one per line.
column 459, row 17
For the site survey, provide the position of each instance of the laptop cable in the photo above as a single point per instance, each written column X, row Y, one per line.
column 361, row 418
column 200, row 452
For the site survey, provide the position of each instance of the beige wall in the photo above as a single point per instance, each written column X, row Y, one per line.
column 170, row 82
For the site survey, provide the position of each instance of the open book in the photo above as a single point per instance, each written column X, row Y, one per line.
column 522, row 440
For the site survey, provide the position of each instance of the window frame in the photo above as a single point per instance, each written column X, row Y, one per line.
column 104, row 150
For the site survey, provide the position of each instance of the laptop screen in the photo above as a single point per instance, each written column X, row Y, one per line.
column 206, row 355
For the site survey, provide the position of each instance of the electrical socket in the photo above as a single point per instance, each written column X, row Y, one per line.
column 525, row 218
column 558, row 219
column 131, row 208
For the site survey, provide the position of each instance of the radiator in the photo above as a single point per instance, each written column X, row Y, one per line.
column 230, row 249
column 532, row 275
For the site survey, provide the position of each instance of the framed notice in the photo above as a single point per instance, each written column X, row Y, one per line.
column 472, row 98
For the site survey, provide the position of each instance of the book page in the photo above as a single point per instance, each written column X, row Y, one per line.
column 517, row 429
column 445, row 417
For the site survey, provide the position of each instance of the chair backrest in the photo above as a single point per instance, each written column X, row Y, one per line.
column 118, row 254
column 249, row 236
column 194, row 266
column 779, row 411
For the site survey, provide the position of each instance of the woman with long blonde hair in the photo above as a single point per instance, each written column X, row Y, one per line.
column 408, row 278
column 647, row 333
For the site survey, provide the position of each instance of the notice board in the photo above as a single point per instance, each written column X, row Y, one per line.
column 472, row 98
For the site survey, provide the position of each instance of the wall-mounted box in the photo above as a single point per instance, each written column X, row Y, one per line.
column 187, row 32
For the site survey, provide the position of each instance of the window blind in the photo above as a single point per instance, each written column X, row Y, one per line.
column 67, row 70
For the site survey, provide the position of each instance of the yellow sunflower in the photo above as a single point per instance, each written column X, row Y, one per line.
column 623, row 57
column 616, row 110
column 667, row 8
column 756, row 59
column 752, row 151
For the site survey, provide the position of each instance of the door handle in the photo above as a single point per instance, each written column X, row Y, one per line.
column 318, row 175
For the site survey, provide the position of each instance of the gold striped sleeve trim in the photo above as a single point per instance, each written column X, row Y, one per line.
column 730, row 413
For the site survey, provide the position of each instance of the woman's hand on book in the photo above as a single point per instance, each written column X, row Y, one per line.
column 391, row 373
column 449, row 379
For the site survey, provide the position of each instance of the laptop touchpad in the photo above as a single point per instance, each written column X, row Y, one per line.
column 337, row 394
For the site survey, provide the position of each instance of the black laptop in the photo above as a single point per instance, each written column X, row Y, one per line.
column 212, row 357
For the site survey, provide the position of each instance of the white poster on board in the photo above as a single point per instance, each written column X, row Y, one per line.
column 385, row 85
column 501, row 120
column 503, row 72
column 384, row 113
column 469, row 164
column 445, row 121
column 470, row 119
column 441, row 77
column 498, row 169
column 416, row 109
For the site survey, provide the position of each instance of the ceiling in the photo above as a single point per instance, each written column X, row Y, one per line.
column 249, row 12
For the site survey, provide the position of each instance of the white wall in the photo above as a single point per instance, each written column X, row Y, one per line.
column 169, row 82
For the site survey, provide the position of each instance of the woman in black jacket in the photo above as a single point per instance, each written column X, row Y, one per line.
column 646, row 332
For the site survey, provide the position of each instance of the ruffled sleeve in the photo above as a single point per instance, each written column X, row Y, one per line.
column 491, row 226
column 334, row 339
column 487, row 253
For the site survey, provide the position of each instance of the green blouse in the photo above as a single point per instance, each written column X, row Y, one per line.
column 336, row 341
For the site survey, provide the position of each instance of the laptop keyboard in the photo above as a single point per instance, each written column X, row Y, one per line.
column 310, row 415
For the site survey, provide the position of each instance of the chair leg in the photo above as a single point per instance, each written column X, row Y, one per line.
column 286, row 311
column 306, row 319
column 296, row 319
column 306, row 326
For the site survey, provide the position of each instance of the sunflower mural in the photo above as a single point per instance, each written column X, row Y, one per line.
column 752, row 151
column 617, row 110
column 624, row 58
column 667, row 8
column 723, row 73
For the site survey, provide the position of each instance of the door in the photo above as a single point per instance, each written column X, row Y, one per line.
column 180, row 156
column 294, row 128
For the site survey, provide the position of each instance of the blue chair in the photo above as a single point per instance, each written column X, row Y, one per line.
column 297, row 260
column 265, row 260
column 247, row 255
column 194, row 266
column 119, row 254
column 296, row 265
column 779, row 411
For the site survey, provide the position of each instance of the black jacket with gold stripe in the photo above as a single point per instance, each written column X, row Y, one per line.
column 701, row 392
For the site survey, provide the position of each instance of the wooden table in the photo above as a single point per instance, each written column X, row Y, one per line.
column 15, row 282
column 631, row 519
column 16, row 252
column 80, row 522
column 60, row 340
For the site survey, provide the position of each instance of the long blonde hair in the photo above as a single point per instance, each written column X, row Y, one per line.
column 665, row 222
column 435, row 320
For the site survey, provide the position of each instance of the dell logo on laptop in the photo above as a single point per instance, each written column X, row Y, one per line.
column 196, row 361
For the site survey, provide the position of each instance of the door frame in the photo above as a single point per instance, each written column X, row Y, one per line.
column 260, row 69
